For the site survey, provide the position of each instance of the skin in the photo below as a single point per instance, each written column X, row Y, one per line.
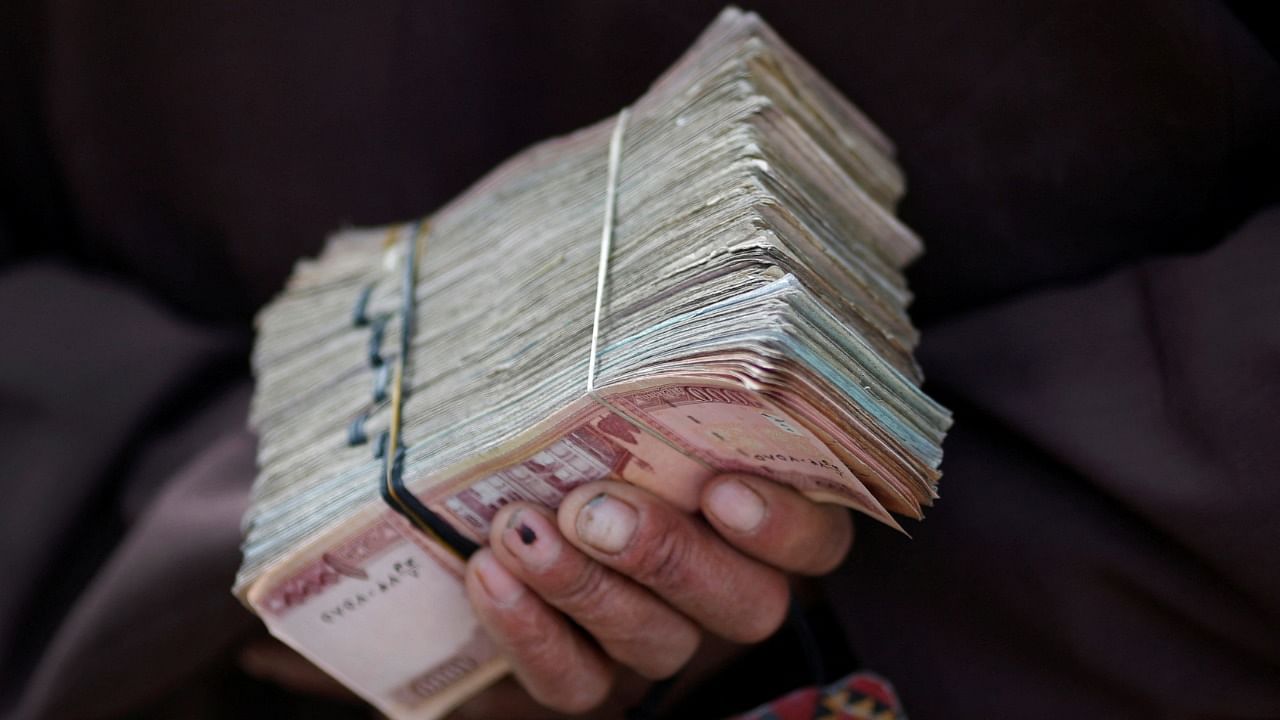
column 618, row 586
column 589, row 619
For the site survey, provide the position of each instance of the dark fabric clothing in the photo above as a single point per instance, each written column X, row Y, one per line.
column 1098, row 302
column 203, row 146
column 125, row 465
column 1104, row 545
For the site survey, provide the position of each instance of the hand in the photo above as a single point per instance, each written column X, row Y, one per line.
column 643, row 579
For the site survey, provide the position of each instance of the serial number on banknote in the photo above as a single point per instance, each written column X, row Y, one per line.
column 400, row 570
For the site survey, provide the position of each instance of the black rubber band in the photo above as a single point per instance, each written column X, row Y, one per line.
column 356, row 434
column 377, row 330
column 407, row 504
column 360, row 316
column 381, row 378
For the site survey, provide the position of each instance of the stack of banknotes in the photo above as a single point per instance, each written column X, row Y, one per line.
column 709, row 281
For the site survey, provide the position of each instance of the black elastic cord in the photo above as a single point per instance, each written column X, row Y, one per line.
column 360, row 314
column 381, row 378
column 407, row 504
column 378, row 328
column 356, row 434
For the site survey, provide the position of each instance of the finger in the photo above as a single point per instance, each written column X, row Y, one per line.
column 777, row 525
column 632, row 625
column 554, row 662
column 676, row 556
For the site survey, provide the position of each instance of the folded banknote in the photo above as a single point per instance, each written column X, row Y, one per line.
column 709, row 281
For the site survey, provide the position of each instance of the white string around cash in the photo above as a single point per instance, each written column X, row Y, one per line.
column 606, row 240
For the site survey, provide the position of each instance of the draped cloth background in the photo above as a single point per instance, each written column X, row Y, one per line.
column 1099, row 304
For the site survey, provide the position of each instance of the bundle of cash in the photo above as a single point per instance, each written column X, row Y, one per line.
column 708, row 282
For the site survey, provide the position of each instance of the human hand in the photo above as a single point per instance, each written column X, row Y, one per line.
column 644, row 580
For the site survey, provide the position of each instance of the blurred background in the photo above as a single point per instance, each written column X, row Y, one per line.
column 163, row 164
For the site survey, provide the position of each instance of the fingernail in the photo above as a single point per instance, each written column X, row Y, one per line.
column 527, row 535
column 736, row 505
column 531, row 539
column 500, row 585
column 606, row 523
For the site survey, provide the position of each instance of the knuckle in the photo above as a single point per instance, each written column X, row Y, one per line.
column 535, row 643
column 661, row 559
column 768, row 612
column 823, row 555
column 586, row 588
column 654, row 643
column 668, row 663
column 540, row 654
column 823, row 563
column 574, row 695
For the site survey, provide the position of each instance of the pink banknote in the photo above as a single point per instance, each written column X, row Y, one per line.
column 382, row 607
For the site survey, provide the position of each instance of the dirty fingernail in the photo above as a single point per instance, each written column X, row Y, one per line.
column 606, row 523
column 531, row 539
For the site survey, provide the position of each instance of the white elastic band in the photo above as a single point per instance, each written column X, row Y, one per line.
column 606, row 239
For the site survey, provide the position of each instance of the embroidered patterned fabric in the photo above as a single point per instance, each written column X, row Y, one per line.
column 859, row 696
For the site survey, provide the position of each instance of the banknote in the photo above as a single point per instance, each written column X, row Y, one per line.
column 381, row 606
column 709, row 281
